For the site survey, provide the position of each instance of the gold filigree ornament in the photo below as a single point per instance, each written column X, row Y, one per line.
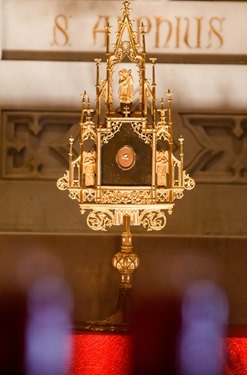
column 131, row 125
column 126, row 166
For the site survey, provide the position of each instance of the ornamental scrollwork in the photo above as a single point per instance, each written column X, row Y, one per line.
column 125, row 263
column 138, row 129
column 89, row 195
column 99, row 220
column 178, row 194
column 130, row 197
column 125, row 50
column 153, row 220
column 88, row 131
column 116, row 59
column 162, row 195
column 162, row 133
column 74, row 194
column 135, row 59
column 121, row 136
column 115, row 127
column 189, row 183
column 63, row 182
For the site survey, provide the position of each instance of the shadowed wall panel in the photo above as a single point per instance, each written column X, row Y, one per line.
column 167, row 265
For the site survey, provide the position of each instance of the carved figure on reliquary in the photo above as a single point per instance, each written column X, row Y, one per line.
column 126, row 86
column 126, row 160
column 162, row 167
column 89, row 167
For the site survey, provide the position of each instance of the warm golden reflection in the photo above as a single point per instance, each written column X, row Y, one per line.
column 126, row 164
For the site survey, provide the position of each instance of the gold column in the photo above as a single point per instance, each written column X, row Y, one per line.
column 126, row 261
column 169, row 95
column 97, row 60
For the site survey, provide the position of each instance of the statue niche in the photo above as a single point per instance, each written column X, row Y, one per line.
column 162, row 168
column 89, row 167
column 126, row 88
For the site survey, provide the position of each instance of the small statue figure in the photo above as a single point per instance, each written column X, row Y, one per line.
column 126, row 86
column 89, row 167
column 162, row 168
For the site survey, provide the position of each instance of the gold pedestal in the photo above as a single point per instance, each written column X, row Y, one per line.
column 125, row 261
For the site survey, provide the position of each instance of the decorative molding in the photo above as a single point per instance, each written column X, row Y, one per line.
column 218, row 147
column 35, row 144
column 168, row 58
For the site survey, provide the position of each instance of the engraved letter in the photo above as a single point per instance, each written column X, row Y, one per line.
column 198, row 33
column 216, row 32
column 160, row 21
column 178, row 32
column 101, row 30
column 60, row 31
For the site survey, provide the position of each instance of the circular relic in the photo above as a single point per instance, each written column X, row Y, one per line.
column 126, row 157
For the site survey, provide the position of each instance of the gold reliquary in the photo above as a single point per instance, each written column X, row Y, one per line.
column 126, row 163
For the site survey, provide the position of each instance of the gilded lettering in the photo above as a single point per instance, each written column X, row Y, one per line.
column 199, row 31
column 60, row 31
column 99, row 28
column 216, row 30
column 197, row 34
column 159, row 22
column 178, row 26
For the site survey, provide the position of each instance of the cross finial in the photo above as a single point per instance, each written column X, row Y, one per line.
column 84, row 97
column 126, row 111
column 169, row 95
column 97, row 60
column 162, row 112
column 126, row 10
column 153, row 60
column 88, row 111
column 108, row 28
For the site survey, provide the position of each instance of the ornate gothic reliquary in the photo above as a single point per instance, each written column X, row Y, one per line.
column 126, row 164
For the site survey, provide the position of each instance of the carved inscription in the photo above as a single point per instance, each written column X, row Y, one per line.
column 99, row 28
column 61, row 31
column 178, row 32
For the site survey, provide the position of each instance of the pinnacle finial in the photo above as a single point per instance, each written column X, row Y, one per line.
column 142, row 28
column 126, row 10
column 84, row 97
column 169, row 95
